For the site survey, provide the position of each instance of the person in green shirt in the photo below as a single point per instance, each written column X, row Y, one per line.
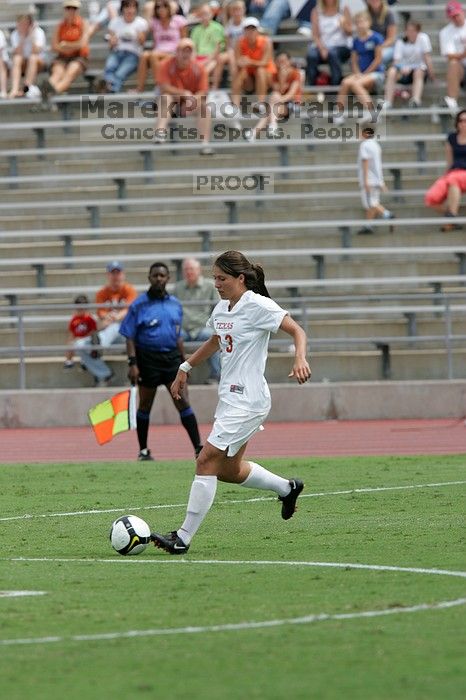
column 195, row 288
column 208, row 38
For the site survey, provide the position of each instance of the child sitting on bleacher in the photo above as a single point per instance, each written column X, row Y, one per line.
column 367, row 68
column 82, row 332
column 287, row 88
column 412, row 61
column 234, row 30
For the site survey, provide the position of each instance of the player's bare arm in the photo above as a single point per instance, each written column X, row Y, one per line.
column 301, row 370
column 203, row 353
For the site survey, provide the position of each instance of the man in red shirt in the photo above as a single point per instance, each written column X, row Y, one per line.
column 183, row 86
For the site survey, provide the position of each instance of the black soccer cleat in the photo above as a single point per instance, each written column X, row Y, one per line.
column 171, row 543
column 145, row 456
column 198, row 450
column 289, row 501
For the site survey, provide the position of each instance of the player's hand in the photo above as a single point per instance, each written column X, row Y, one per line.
column 179, row 384
column 301, row 371
column 133, row 374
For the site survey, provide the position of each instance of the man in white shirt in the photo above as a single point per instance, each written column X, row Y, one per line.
column 371, row 179
column 453, row 47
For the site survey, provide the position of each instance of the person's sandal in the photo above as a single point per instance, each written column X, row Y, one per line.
column 445, row 228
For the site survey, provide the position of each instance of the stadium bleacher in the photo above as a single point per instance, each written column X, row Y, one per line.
column 69, row 204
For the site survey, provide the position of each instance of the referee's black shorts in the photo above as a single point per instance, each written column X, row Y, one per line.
column 156, row 368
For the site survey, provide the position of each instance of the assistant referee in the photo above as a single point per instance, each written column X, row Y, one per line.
column 152, row 328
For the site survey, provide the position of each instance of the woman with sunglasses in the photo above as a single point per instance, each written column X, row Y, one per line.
column 445, row 194
column 167, row 30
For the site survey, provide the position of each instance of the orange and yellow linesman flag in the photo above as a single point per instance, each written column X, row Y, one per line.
column 116, row 415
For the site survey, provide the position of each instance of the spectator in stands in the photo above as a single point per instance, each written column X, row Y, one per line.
column 115, row 297
column 183, row 86
column 287, row 89
column 331, row 31
column 453, row 47
column 412, row 60
column 167, row 30
column 82, row 334
column 366, row 64
column 234, row 30
column 127, row 35
column 154, row 344
column 194, row 288
column 4, row 59
column 102, row 19
column 28, row 43
column 383, row 21
column 278, row 10
column 209, row 39
column 70, row 43
column 445, row 194
column 254, row 58
column 371, row 179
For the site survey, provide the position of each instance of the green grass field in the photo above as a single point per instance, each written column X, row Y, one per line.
column 239, row 570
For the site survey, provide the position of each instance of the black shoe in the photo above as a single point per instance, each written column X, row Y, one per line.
column 145, row 456
column 171, row 543
column 365, row 231
column 289, row 501
column 198, row 449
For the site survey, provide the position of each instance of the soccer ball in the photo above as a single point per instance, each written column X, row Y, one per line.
column 129, row 535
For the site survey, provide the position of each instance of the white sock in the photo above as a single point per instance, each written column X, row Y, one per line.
column 201, row 497
column 260, row 478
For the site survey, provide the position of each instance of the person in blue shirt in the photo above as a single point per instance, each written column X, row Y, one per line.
column 368, row 72
column 152, row 328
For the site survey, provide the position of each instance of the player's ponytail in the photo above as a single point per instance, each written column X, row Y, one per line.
column 259, row 286
column 235, row 264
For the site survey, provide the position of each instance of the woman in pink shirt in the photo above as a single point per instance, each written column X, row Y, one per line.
column 167, row 29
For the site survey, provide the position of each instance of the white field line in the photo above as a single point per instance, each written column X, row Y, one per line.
column 241, row 562
column 129, row 509
column 19, row 594
column 233, row 627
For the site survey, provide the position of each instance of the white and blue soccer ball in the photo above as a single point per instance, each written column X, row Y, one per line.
column 129, row 535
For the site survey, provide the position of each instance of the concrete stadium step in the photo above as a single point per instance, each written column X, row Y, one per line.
column 339, row 365
column 55, row 332
column 296, row 269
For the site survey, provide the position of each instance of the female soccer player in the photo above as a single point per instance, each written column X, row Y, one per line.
column 241, row 324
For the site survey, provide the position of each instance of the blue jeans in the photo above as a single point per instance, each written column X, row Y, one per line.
column 275, row 12
column 119, row 66
column 336, row 56
column 214, row 360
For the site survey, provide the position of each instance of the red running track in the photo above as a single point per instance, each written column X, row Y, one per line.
column 327, row 438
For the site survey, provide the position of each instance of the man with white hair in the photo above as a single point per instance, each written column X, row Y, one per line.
column 195, row 288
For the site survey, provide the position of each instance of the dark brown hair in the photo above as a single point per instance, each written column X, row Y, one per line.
column 164, row 3
column 457, row 118
column 235, row 264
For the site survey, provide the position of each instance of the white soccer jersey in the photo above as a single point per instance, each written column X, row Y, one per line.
column 244, row 334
